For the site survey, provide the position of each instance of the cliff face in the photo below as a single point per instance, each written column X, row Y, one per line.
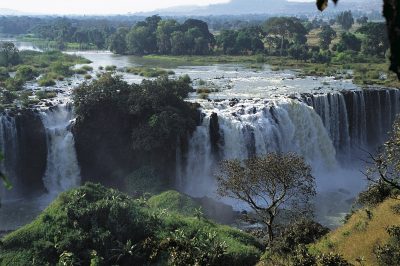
column 24, row 146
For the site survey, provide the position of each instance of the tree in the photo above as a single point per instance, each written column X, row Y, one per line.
column 362, row 20
column 385, row 167
column 9, row 54
column 326, row 36
column 376, row 41
column 270, row 185
column 349, row 41
column 392, row 15
column 345, row 19
column 117, row 41
column 164, row 30
column 285, row 28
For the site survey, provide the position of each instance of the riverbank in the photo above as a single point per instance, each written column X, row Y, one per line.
column 368, row 71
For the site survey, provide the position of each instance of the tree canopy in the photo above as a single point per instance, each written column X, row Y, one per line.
column 270, row 185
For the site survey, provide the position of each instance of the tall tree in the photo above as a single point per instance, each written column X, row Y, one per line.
column 326, row 36
column 285, row 28
column 270, row 185
column 376, row 41
column 9, row 54
column 345, row 19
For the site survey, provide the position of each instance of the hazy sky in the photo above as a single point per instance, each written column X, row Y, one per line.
column 99, row 6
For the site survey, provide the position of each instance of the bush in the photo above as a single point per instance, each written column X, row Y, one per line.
column 61, row 69
column 4, row 73
column 144, row 180
column 375, row 194
column 45, row 94
column 111, row 68
column 26, row 73
column 88, row 76
column 389, row 254
column 46, row 81
column 301, row 232
column 14, row 84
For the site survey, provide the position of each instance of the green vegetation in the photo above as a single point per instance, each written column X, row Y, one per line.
column 46, row 81
column 173, row 201
column 45, row 94
column 50, row 66
column 154, row 118
column 94, row 224
column 149, row 72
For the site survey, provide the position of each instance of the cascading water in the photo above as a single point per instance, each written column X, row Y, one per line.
column 253, row 127
column 9, row 150
column 62, row 170
column 322, row 128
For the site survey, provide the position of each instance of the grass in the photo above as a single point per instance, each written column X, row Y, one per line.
column 149, row 72
column 45, row 94
column 173, row 201
column 359, row 235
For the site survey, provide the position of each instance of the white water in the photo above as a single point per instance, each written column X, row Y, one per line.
column 62, row 171
column 256, row 127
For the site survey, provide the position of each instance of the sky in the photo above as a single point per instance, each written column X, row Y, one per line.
column 99, row 6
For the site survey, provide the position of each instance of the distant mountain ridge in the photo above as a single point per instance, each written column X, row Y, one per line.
column 241, row 7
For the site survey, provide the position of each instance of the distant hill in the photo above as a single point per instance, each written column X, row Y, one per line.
column 240, row 7
column 10, row 12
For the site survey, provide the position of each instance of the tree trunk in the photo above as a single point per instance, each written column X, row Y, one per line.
column 270, row 233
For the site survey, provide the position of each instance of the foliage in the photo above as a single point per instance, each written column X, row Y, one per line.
column 144, row 180
column 389, row 254
column 345, row 19
column 173, row 201
column 375, row 194
column 46, row 81
column 326, row 36
column 269, row 184
column 302, row 232
column 26, row 73
column 94, row 224
column 9, row 54
column 376, row 41
column 348, row 41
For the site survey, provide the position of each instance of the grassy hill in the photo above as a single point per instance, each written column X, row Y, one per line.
column 358, row 237
column 93, row 225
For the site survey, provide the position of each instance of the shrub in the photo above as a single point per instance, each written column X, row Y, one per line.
column 42, row 94
column 111, row 68
column 88, row 76
column 4, row 73
column 46, row 81
column 375, row 194
column 14, row 84
column 144, row 180
column 61, row 69
column 301, row 232
column 389, row 254
column 26, row 73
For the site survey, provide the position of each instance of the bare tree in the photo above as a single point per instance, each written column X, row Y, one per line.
column 270, row 185
column 385, row 167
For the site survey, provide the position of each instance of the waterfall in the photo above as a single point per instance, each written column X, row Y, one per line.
column 256, row 127
column 328, row 130
column 9, row 150
column 62, row 170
